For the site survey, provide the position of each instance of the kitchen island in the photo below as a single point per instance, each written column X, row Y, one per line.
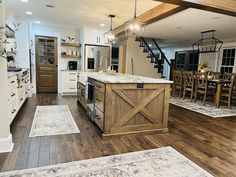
column 125, row 104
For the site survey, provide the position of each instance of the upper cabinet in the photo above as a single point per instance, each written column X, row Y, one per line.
column 94, row 36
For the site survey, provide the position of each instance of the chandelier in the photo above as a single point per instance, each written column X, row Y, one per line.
column 135, row 26
column 110, row 36
column 208, row 43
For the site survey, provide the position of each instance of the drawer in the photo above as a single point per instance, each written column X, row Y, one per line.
column 69, row 88
column 69, row 76
column 100, row 86
column 99, row 100
column 99, row 118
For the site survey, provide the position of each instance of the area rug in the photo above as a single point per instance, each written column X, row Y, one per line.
column 53, row 120
column 162, row 162
column 207, row 109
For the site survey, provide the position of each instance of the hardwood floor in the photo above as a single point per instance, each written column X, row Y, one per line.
column 210, row 143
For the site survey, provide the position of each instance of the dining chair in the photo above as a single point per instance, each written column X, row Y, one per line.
column 177, row 82
column 229, row 89
column 215, row 75
column 227, row 76
column 202, row 86
column 188, row 83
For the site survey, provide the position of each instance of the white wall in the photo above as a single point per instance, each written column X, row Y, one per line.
column 141, row 65
column 60, row 33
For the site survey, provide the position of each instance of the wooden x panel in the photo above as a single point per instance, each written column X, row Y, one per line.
column 146, row 113
column 138, row 108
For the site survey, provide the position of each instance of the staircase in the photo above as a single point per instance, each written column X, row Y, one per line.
column 154, row 53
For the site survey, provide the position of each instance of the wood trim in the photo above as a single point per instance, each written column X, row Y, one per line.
column 226, row 7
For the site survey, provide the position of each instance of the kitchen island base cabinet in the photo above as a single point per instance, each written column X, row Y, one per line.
column 132, row 108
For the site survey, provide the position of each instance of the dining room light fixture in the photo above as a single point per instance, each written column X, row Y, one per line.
column 135, row 26
column 110, row 36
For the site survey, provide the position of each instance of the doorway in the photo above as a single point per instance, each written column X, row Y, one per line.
column 46, row 64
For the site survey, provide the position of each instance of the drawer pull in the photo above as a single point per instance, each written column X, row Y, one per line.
column 12, row 82
column 13, row 111
column 72, row 73
column 72, row 88
column 72, row 80
column 21, row 86
column 98, row 86
column 98, row 117
column 98, row 100
column 21, row 99
column 13, row 94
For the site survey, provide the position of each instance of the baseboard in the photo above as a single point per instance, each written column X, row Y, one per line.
column 6, row 144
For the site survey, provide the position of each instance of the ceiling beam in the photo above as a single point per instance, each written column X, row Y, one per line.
column 157, row 13
column 226, row 7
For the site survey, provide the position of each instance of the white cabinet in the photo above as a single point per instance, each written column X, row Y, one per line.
column 93, row 36
column 69, row 82
column 18, row 91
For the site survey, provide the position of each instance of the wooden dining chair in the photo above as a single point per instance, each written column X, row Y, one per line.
column 229, row 89
column 227, row 76
column 215, row 75
column 188, row 83
column 202, row 86
column 177, row 82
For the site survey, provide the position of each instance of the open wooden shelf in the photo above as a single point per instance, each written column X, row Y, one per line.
column 70, row 45
column 70, row 56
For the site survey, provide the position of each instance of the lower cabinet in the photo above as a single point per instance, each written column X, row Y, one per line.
column 81, row 95
column 69, row 82
column 19, row 90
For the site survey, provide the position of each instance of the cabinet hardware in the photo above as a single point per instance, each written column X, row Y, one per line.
column 21, row 99
column 13, row 111
column 12, row 82
column 98, row 100
column 72, row 73
column 98, row 86
column 13, row 94
column 98, row 117
column 72, row 79
column 21, row 86
column 72, row 88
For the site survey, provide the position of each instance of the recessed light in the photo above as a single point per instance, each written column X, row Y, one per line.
column 29, row 13
column 179, row 27
column 102, row 25
column 215, row 18
column 24, row 0
column 49, row 6
column 38, row 22
column 150, row 45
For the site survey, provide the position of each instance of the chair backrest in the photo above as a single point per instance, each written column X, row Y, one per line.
column 177, row 77
column 227, row 76
column 201, row 80
column 215, row 75
column 188, row 78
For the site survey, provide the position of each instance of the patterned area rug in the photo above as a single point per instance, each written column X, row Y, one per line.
column 53, row 120
column 207, row 109
column 162, row 162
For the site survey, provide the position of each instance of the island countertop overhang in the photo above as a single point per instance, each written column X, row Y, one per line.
column 125, row 79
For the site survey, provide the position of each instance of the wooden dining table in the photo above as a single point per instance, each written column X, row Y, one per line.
column 219, row 85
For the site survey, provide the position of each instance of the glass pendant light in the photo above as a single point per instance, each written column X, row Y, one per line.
column 110, row 36
column 135, row 26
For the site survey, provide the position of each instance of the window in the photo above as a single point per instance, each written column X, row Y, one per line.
column 187, row 60
column 228, row 59
column 180, row 61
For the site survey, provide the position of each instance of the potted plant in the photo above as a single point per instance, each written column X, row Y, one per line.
column 203, row 66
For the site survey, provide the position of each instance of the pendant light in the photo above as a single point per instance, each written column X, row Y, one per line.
column 135, row 26
column 110, row 36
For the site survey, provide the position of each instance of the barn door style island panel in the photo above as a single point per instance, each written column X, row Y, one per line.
column 125, row 104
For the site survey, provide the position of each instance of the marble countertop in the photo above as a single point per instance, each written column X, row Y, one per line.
column 122, row 78
column 10, row 74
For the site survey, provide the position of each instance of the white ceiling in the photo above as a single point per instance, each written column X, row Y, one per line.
column 75, row 13
column 185, row 26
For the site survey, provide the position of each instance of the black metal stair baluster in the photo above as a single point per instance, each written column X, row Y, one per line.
column 162, row 53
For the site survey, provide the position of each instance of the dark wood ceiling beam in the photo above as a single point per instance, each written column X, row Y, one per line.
column 226, row 7
column 157, row 13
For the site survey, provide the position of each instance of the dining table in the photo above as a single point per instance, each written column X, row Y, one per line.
column 219, row 85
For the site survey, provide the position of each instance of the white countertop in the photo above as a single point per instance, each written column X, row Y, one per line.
column 10, row 74
column 121, row 78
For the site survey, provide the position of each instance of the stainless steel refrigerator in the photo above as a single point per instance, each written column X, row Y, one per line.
column 97, row 58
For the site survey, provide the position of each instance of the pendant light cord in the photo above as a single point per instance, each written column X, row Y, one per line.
column 111, row 24
column 135, row 8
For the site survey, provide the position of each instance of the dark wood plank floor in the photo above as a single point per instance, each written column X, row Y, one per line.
column 210, row 143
